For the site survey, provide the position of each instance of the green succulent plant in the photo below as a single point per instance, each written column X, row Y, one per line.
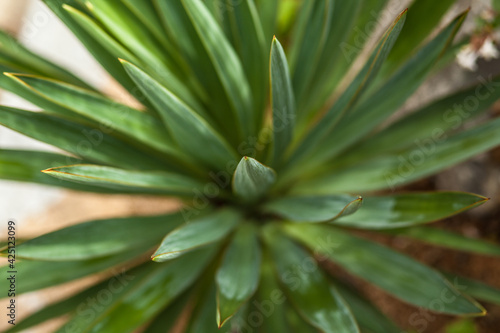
column 277, row 159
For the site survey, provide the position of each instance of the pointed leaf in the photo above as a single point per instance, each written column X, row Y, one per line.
column 35, row 63
column 447, row 239
column 9, row 83
column 252, row 179
column 115, row 116
column 477, row 289
column 314, row 208
column 409, row 165
column 397, row 274
column 130, row 31
column 252, row 47
column 99, row 238
column 77, row 139
column 156, row 182
column 424, row 16
column 283, row 102
column 100, row 35
column 377, row 107
column 434, row 120
column 149, row 295
column 197, row 233
column 309, row 290
column 226, row 63
column 353, row 92
column 306, row 51
column 96, row 48
column 341, row 47
column 25, row 166
column 238, row 276
column 146, row 12
column 187, row 128
column 403, row 210
column 183, row 35
column 61, row 272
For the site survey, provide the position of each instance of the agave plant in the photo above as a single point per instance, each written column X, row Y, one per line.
column 277, row 159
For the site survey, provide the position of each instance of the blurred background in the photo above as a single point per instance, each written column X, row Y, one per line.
column 39, row 209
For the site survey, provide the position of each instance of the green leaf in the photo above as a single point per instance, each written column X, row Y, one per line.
column 282, row 101
column 477, row 289
column 183, row 35
column 307, row 288
column 351, row 95
column 308, row 44
column 226, row 63
column 13, row 85
column 423, row 18
column 146, row 12
column 99, row 238
column 126, row 181
column 130, row 31
column 33, row 63
column 86, row 142
column 238, row 276
column 25, row 166
column 409, row 165
column 93, row 44
column 369, row 318
column 272, row 297
column 252, row 47
column 61, row 272
column 376, row 108
column 397, row 274
column 168, row 318
column 203, row 319
column 67, row 306
column 187, row 128
column 339, row 51
column 111, row 114
column 252, row 179
column 149, row 295
column 101, row 37
column 403, row 210
column 434, row 120
column 197, row 233
column 443, row 238
column 313, row 208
